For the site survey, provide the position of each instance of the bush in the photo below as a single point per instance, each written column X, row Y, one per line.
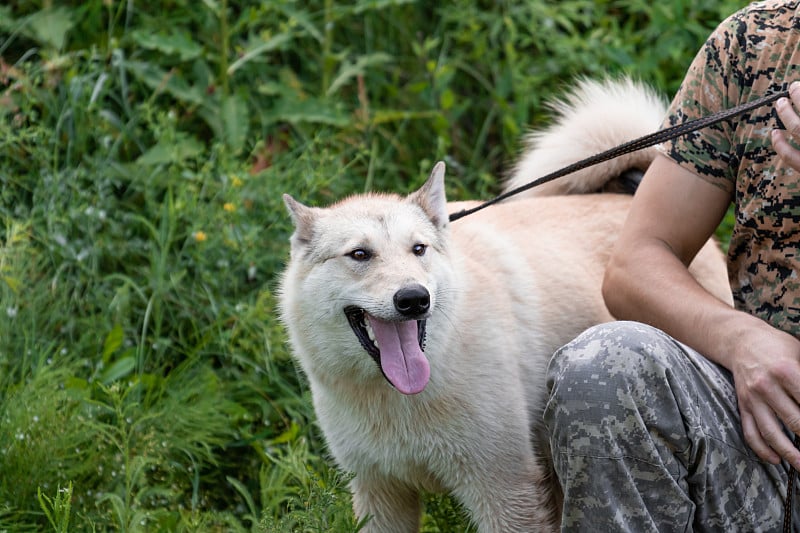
column 144, row 150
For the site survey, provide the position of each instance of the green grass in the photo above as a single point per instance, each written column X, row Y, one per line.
column 145, row 382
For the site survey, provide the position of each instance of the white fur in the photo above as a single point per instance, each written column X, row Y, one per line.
column 508, row 285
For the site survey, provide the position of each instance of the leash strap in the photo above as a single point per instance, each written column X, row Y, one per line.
column 630, row 146
column 787, row 508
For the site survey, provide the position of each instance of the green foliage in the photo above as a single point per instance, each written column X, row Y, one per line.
column 301, row 499
column 57, row 509
column 144, row 147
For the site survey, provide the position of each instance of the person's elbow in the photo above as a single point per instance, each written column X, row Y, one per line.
column 614, row 287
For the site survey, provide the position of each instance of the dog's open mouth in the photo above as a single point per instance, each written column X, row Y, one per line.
column 397, row 347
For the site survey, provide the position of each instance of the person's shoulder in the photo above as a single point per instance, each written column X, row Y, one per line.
column 773, row 5
column 768, row 9
column 768, row 19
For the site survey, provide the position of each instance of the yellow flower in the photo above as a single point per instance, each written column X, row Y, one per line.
column 229, row 207
column 199, row 236
column 236, row 181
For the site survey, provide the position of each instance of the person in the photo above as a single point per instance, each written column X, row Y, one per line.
column 647, row 434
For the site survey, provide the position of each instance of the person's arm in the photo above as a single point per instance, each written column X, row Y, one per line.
column 674, row 212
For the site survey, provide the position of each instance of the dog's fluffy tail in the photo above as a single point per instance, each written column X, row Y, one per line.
column 596, row 116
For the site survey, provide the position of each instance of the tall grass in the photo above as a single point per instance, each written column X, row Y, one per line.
column 145, row 384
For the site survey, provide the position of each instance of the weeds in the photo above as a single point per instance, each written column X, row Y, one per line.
column 57, row 509
column 145, row 383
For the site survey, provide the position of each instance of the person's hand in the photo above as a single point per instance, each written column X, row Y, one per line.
column 767, row 369
column 787, row 111
column 766, row 373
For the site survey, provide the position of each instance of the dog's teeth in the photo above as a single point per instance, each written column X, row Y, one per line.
column 370, row 333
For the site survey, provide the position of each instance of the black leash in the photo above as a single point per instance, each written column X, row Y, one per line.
column 628, row 147
column 787, row 508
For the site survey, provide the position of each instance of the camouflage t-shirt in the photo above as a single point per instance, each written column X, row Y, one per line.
column 755, row 52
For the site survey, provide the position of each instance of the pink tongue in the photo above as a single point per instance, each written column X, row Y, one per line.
column 402, row 360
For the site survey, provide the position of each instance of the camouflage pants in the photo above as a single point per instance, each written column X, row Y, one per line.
column 646, row 436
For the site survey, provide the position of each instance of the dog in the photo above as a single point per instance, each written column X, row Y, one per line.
column 425, row 342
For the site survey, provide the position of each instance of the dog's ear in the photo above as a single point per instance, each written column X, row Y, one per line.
column 431, row 197
column 303, row 219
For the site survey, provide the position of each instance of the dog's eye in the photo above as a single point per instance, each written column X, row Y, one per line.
column 419, row 249
column 360, row 254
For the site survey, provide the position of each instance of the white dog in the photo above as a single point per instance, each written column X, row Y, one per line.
column 425, row 342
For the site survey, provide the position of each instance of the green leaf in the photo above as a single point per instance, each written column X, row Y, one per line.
column 57, row 509
column 171, row 82
column 309, row 110
column 7, row 21
column 447, row 99
column 272, row 44
column 244, row 493
column 50, row 26
column 118, row 370
column 383, row 116
column 175, row 43
column 171, row 152
column 235, row 122
column 113, row 342
column 77, row 388
column 304, row 21
column 351, row 70
column 13, row 284
column 290, row 435
column 377, row 5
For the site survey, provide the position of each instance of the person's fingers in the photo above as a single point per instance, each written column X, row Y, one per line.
column 788, row 115
column 755, row 440
column 784, row 149
column 788, row 412
column 773, row 435
column 791, row 122
column 789, row 409
column 794, row 94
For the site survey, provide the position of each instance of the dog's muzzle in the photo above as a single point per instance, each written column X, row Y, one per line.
column 357, row 318
column 397, row 346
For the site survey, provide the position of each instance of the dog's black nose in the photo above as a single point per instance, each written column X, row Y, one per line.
column 413, row 300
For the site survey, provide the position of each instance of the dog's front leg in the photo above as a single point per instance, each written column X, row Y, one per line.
column 511, row 497
column 393, row 506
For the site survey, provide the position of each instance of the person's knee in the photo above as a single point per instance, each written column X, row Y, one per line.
column 607, row 346
column 606, row 364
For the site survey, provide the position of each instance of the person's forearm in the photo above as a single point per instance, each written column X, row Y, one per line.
column 648, row 283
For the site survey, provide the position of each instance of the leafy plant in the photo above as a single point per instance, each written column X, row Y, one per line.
column 144, row 148
column 57, row 508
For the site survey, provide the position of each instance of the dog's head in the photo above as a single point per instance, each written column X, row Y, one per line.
column 363, row 278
